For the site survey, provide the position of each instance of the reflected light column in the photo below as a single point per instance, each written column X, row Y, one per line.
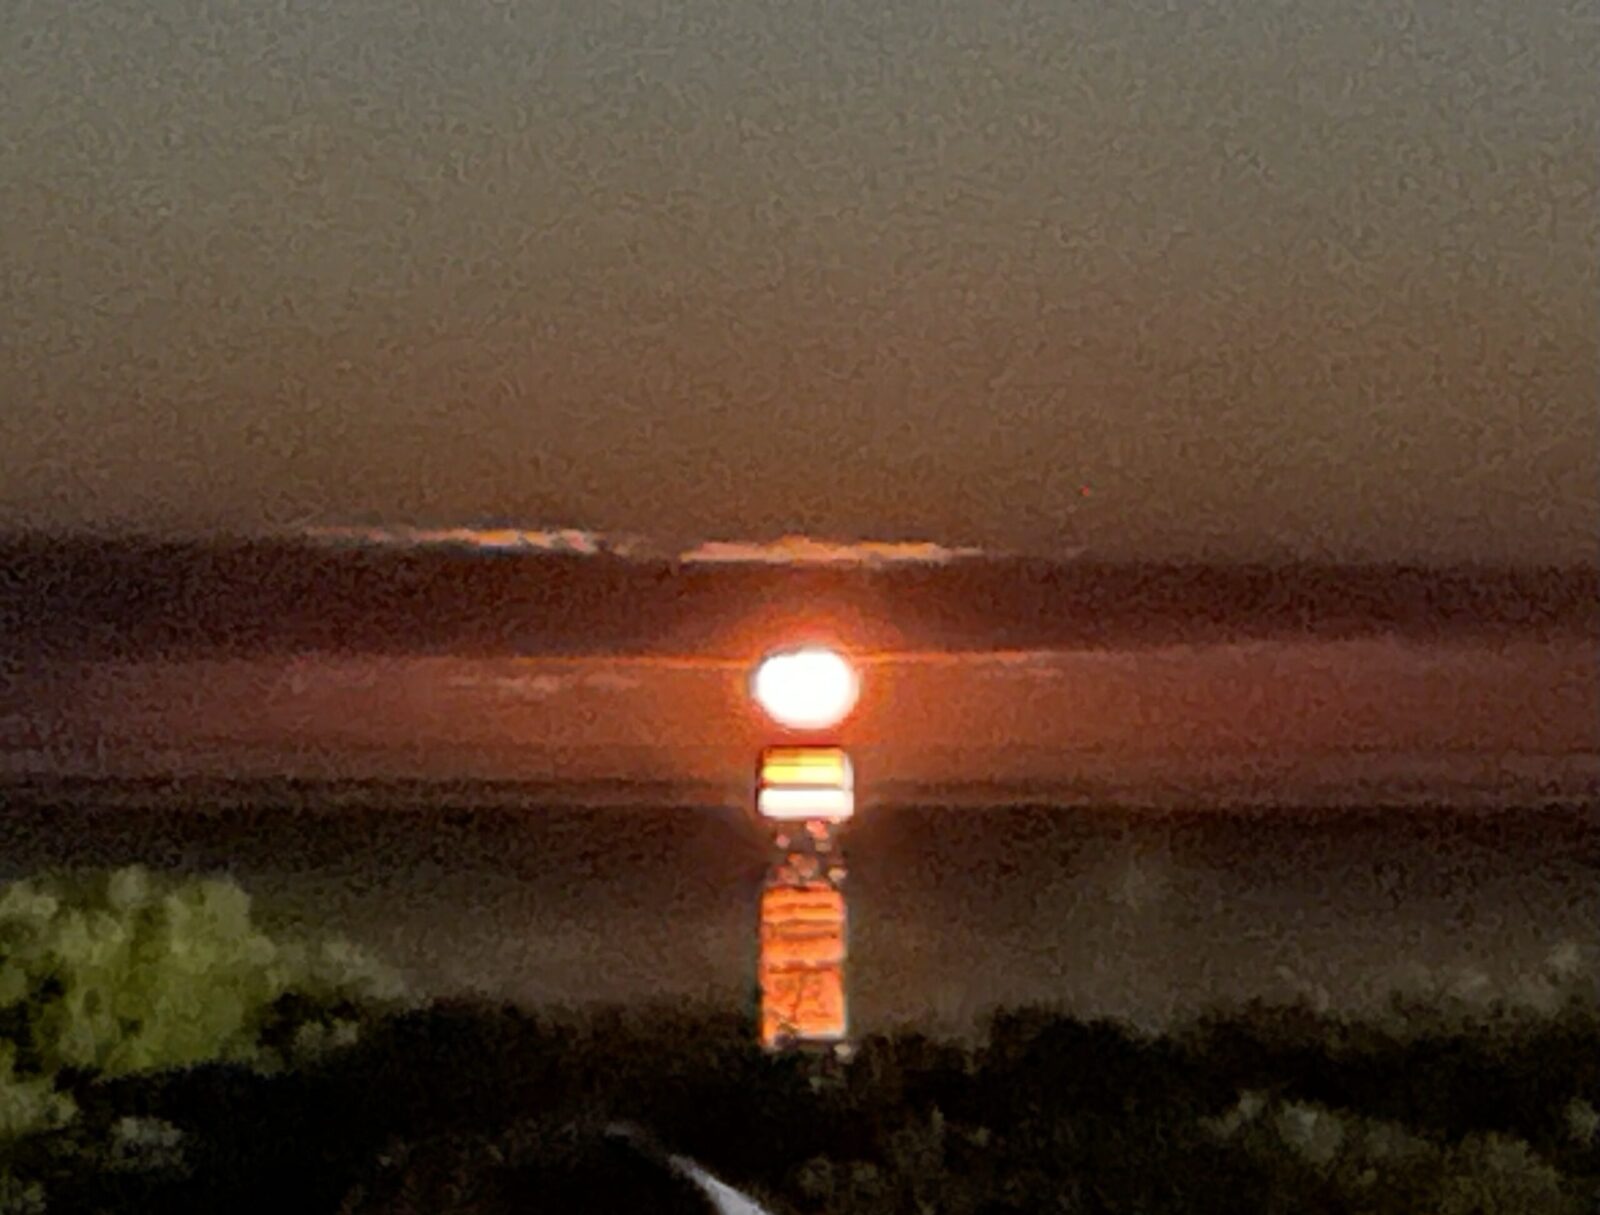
column 805, row 792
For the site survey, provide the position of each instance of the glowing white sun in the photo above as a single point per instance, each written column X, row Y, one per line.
column 806, row 689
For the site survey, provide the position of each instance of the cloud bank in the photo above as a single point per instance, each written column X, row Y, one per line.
column 785, row 550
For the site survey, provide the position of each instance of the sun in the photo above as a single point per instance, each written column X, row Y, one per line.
column 811, row 688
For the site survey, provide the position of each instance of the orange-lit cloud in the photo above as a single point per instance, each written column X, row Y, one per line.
column 805, row 550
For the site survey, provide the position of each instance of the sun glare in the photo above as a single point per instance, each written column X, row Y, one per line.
column 806, row 689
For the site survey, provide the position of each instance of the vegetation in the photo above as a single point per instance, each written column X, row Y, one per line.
column 122, row 977
column 161, row 1053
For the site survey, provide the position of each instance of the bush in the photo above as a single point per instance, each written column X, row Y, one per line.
column 1365, row 1165
column 122, row 973
column 114, row 976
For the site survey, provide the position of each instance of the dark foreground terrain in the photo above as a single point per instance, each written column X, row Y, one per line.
column 474, row 1108
column 159, row 1052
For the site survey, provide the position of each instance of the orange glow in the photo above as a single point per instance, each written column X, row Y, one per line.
column 799, row 783
column 814, row 903
column 802, row 964
column 807, row 1005
column 799, row 805
column 825, row 767
column 808, row 550
column 806, row 689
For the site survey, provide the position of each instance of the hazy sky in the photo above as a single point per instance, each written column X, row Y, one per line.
column 1266, row 275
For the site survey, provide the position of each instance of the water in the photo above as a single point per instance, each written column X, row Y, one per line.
column 1130, row 791
column 1135, row 912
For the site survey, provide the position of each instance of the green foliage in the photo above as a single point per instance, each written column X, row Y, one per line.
column 18, row 1197
column 108, row 977
column 121, row 973
column 29, row 1104
column 142, row 1144
column 1375, row 1167
column 1583, row 1122
column 1498, row 1175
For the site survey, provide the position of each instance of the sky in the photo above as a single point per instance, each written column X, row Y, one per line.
column 1264, row 277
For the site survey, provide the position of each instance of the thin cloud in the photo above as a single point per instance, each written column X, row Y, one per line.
column 807, row 550
column 531, row 687
column 786, row 550
column 545, row 684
